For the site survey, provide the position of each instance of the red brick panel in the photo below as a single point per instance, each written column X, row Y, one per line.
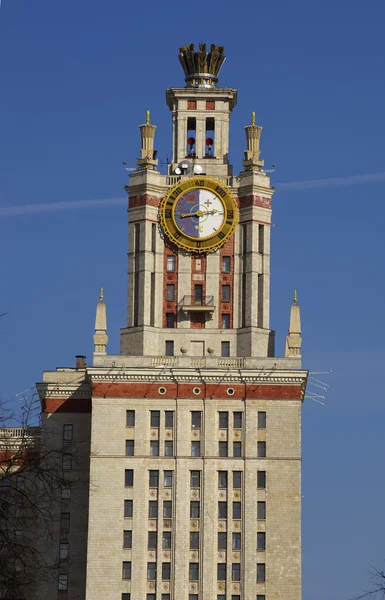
column 70, row 405
column 226, row 279
column 143, row 200
column 169, row 306
column 253, row 200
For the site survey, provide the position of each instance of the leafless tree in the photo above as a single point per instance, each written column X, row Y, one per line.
column 377, row 587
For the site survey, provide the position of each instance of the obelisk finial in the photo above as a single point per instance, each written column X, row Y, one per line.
column 147, row 117
column 253, row 118
column 100, row 336
column 101, row 296
column 295, row 297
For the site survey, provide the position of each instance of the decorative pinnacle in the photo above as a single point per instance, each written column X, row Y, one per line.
column 147, row 117
column 253, row 118
column 295, row 297
column 101, row 296
column 201, row 67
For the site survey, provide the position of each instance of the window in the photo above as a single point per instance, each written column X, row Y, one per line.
column 261, row 597
column 66, row 493
column 68, row 433
column 130, row 447
column 194, row 540
column 153, row 479
column 195, row 448
column 127, row 539
column 128, row 509
column 126, row 596
column 67, row 462
column 222, row 510
column 237, row 449
column 261, row 540
column 169, row 348
column 237, row 480
column 152, row 540
column 170, row 291
column 226, row 264
column 261, row 479
column 262, row 449
column 223, row 420
column 151, row 571
column 170, row 319
column 236, row 541
column 167, row 479
column 225, row 348
column 221, row 597
column 236, row 572
column 166, row 540
column 126, row 570
column 170, row 263
column 129, row 477
column 261, row 571
column 196, row 417
column 194, row 571
column 221, row 572
column 166, row 571
column 169, row 418
column 222, row 540
column 153, row 509
column 165, row 596
column 167, row 509
column 223, row 449
column 193, row 597
column 235, row 598
column 225, row 321
column 130, row 418
column 261, row 236
column 222, row 479
column 237, row 420
column 225, row 293
column 169, row 448
column 63, row 551
column 62, row 584
column 261, row 510
column 155, row 418
column 65, row 521
column 154, row 448
column 5, row 484
column 195, row 479
column 236, row 510
column 261, row 420
column 194, row 510
column 151, row 597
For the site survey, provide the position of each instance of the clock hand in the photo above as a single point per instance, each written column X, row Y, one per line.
column 200, row 213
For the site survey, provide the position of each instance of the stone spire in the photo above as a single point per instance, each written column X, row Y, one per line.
column 253, row 135
column 147, row 158
column 101, row 337
column 294, row 340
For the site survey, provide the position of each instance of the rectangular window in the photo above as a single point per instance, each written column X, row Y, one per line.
column 222, row 479
column 152, row 541
column 154, row 448
column 261, row 572
column 221, row 597
column 194, row 571
column 193, row 597
column 222, row 540
column 223, row 420
column 237, row 420
column 226, row 293
column 153, row 237
column 235, row 598
column 261, row 420
column 196, row 417
column 63, row 551
column 62, row 584
column 170, row 320
column 168, row 479
column 226, row 264
column 151, row 597
column 169, row 448
column 155, row 418
column 169, row 418
column 130, row 447
column 194, row 540
column 153, row 479
column 225, row 321
column 130, row 418
column 236, row 541
column 194, row 509
column 195, row 479
column 128, row 509
column 261, row 480
column 236, row 572
column 261, row 597
column 236, row 510
column 237, row 449
column 223, row 451
column 170, row 291
column 68, row 433
column 151, row 571
column 169, row 348
column 127, row 539
column 170, row 263
column 165, row 596
column 198, row 294
column 153, row 509
column 129, row 477
column 261, row 510
column 237, row 480
column 225, row 348
column 262, row 449
column 65, row 521
column 221, row 572
column 195, row 448
column 261, row 540
column 261, row 238
column 166, row 540
column 126, row 596
column 66, row 493
column 222, row 510
column 167, row 509
column 166, row 571
column 126, row 570
column 67, row 462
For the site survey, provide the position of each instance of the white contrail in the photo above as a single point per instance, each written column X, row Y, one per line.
column 25, row 209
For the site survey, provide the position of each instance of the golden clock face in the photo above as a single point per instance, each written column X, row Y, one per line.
column 199, row 214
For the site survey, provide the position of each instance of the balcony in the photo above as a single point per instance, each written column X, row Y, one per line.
column 195, row 304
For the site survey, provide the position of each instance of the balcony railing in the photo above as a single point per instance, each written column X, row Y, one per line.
column 191, row 303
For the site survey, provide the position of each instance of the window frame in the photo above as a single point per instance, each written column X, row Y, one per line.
column 129, row 478
column 130, row 418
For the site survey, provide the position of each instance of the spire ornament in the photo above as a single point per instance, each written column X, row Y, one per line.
column 147, row 160
column 253, row 135
column 201, row 67
column 293, row 339
column 100, row 336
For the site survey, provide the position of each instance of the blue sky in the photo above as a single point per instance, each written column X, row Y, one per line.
column 77, row 77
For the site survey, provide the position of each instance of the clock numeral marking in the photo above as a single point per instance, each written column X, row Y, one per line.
column 200, row 183
column 167, row 213
column 169, row 203
column 176, row 234
column 221, row 235
column 230, row 214
column 220, row 191
column 198, row 244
